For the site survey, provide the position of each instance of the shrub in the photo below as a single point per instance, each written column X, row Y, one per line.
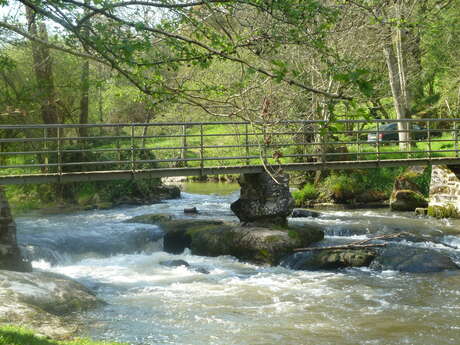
column 302, row 196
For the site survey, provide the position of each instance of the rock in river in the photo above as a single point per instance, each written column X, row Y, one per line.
column 213, row 238
column 407, row 200
column 40, row 300
column 303, row 212
column 412, row 259
column 329, row 259
column 264, row 200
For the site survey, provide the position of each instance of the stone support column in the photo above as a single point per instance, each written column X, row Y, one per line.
column 10, row 255
column 445, row 191
column 264, row 200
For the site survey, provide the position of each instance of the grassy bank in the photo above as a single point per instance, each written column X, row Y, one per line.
column 10, row 335
column 359, row 186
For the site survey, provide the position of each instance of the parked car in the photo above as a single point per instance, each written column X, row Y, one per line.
column 389, row 132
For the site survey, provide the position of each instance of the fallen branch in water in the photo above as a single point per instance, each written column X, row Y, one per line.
column 363, row 243
column 345, row 246
column 359, row 244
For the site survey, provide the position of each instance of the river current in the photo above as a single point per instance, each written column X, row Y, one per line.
column 240, row 303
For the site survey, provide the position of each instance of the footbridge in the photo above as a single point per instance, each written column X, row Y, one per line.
column 61, row 153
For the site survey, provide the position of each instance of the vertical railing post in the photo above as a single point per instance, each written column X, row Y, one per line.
column 247, row 143
column 117, row 133
column 304, row 141
column 133, row 170
column 429, row 138
column 358, row 156
column 59, row 152
column 378, row 141
column 45, row 148
column 265, row 144
column 201, row 149
column 456, row 138
column 184, row 146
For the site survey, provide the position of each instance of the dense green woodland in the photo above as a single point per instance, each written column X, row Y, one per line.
column 103, row 61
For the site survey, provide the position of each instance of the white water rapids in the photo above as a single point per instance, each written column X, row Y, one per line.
column 239, row 303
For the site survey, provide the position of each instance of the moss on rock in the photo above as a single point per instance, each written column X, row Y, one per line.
column 448, row 211
column 407, row 200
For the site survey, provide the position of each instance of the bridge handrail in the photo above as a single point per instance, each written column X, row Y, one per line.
column 55, row 152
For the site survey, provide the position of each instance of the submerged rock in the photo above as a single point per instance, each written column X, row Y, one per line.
column 174, row 263
column 156, row 219
column 54, row 247
column 303, row 212
column 412, row 259
column 329, row 259
column 179, row 263
column 41, row 300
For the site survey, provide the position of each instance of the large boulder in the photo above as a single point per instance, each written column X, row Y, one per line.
column 264, row 199
column 412, row 259
column 407, row 195
column 43, row 301
column 10, row 255
column 214, row 238
column 253, row 244
column 407, row 200
column 177, row 236
column 329, row 259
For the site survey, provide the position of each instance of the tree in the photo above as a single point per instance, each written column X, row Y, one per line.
column 43, row 67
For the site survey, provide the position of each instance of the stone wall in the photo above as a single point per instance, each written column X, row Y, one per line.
column 10, row 256
column 445, row 189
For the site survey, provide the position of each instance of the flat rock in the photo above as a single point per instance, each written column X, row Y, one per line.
column 42, row 301
column 412, row 260
column 253, row 244
column 329, row 259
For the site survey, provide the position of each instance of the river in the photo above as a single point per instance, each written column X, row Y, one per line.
column 240, row 303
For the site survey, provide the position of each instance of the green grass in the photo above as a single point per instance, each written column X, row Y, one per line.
column 11, row 335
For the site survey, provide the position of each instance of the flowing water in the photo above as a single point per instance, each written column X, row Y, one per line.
column 239, row 303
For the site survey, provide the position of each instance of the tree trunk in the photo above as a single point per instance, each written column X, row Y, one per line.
column 396, row 73
column 84, row 89
column 43, row 69
column 84, row 99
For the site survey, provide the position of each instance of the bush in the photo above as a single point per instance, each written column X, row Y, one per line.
column 307, row 193
column 340, row 188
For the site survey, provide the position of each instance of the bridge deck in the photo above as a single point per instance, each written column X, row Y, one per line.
column 244, row 169
column 57, row 154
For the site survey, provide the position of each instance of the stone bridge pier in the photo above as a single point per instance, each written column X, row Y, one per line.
column 445, row 191
column 264, row 200
column 10, row 255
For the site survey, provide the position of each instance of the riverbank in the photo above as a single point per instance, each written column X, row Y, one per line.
column 74, row 197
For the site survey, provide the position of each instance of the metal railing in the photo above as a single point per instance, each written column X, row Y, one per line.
column 56, row 153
